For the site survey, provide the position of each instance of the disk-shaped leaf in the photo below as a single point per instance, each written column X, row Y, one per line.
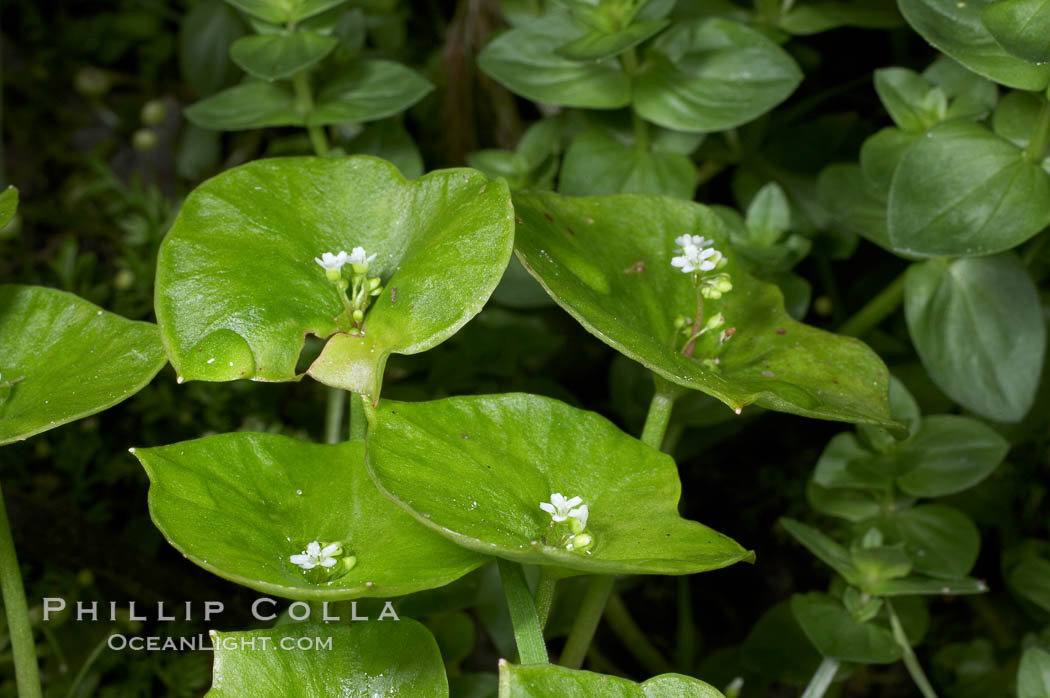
column 239, row 505
column 62, row 358
column 836, row 635
column 1033, row 675
column 238, row 287
column 607, row 261
column 284, row 11
column 8, row 205
column 246, row 106
column 525, row 60
column 979, row 331
column 956, row 29
column 1022, row 27
column 949, row 454
column 476, row 469
column 941, row 541
column 597, row 44
column 275, row 56
column 598, row 163
column 367, row 91
column 544, row 680
column 963, row 191
column 311, row 660
column 712, row 75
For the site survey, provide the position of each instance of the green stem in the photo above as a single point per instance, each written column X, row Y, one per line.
column 708, row 170
column 333, row 416
column 527, row 632
column 659, row 412
column 878, row 309
column 79, row 678
column 822, row 678
column 598, row 589
column 633, row 637
column 685, row 651
column 1040, row 136
column 545, row 596
column 304, row 104
column 22, row 645
column 357, row 417
column 910, row 660
column 629, row 61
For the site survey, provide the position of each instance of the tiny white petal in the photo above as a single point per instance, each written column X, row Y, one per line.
column 313, row 548
column 547, row 507
column 574, row 502
column 329, row 562
column 330, row 550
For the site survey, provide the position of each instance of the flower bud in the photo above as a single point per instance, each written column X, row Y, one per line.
column 358, row 316
column 374, row 282
column 582, row 542
column 153, row 112
column 575, row 525
column 682, row 321
column 348, row 562
column 144, row 139
column 715, row 322
column 377, row 290
column 333, row 274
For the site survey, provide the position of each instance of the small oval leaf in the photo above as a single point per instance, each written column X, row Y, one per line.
column 544, row 680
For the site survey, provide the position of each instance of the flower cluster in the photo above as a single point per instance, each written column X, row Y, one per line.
column 699, row 258
column 568, row 523
column 362, row 289
column 324, row 557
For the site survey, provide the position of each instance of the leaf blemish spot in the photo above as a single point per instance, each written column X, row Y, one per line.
column 548, row 217
column 781, row 331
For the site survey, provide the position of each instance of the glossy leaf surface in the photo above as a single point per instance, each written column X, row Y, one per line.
column 238, row 287
column 374, row 658
column 275, row 56
column 598, row 163
column 63, row 358
column 1022, row 27
column 606, row 260
column 239, row 505
column 476, row 469
column 246, row 106
column 544, row 680
column 367, row 91
column 836, row 635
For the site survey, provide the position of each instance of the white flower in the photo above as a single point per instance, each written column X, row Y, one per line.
column 334, row 262
column 560, row 508
column 695, row 258
column 694, row 240
column 315, row 555
column 359, row 257
column 580, row 514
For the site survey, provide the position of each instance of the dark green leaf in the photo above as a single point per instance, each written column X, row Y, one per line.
column 1017, row 117
column 925, row 586
column 907, row 97
column 1031, row 579
column 284, row 11
column 239, row 505
column 368, row 91
column 546, row 680
column 205, row 36
column 851, row 504
column 598, row 163
column 768, row 214
column 1033, row 676
column 941, row 541
column 836, row 635
column 1022, row 27
column 956, row 29
column 525, row 61
column 815, row 17
column 247, row 106
column 63, row 358
column 596, row 44
column 949, row 454
column 389, row 140
column 827, row 550
column 712, row 75
column 963, row 191
column 880, row 154
column 8, row 205
column 979, row 331
column 275, row 56
column 855, row 203
column 376, row 658
column 238, row 288
column 970, row 95
column 476, row 469
column 606, row 260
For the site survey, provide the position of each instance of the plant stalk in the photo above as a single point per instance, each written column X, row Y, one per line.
column 822, row 678
column 878, row 309
column 598, row 589
column 545, row 596
column 629, row 61
column 333, row 416
column 358, row 424
column 910, row 660
column 88, row 661
column 633, row 637
column 27, row 675
column 528, row 634
column 304, row 103
column 659, row 414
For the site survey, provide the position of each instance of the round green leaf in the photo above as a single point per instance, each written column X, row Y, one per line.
column 941, row 541
column 63, row 358
column 597, row 163
column 247, row 106
column 239, row 505
column 375, row 658
column 607, row 261
column 1022, row 27
column 545, row 680
column 979, row 330
column 963, row 191
column 525, row 61
column 275, row 56
column 238, row 287
column 835, row 634
column 956, row 28
column 949, row 454
column 476, row 469
column 712, row 75
column 367, row 91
